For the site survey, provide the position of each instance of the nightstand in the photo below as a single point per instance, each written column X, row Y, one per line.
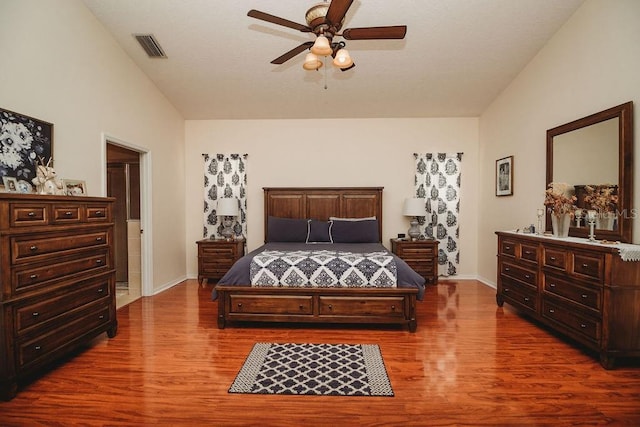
column 421, row 255
column 215, row 257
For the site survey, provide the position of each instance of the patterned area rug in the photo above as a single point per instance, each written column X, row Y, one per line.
column 320, row 369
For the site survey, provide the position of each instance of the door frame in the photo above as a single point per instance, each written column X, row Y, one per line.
column 146, row 250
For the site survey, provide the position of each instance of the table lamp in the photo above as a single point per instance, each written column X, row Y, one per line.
column 227, row 209
column 415, row 208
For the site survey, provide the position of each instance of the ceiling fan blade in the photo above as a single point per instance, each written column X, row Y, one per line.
column 277, row 20
column 337, row 10
column 375, row 33
column 293, row 52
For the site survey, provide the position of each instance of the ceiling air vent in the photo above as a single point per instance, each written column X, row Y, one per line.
column 150, row 45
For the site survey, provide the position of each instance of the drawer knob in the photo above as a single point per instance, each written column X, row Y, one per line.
column 31, row 214
column 35, row 314
column 527, row 252
column 552, row 285
column 526, row 276
column 100, row 290
column 552, row 258
column 526, row 299
column 330, row 307
column 507, row 247
column 506, row 290
column 585, row 265
column 98, row 261
column 301, row 307
column 37, row 348
column 584, row 296
column 101, row 317
column 582, row 325
column 507, row 269
column 33, row 248
column 68, row 213
column 98, row 239
column 33, row 276
column 393, row 308
column 99, row 213
column 551, row 310
column 239, row 305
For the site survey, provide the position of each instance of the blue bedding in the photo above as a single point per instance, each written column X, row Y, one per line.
column 239, row 274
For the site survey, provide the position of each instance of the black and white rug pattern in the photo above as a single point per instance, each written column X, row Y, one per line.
column 314, row 369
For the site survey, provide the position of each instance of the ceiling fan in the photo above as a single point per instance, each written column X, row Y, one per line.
column 325, row 21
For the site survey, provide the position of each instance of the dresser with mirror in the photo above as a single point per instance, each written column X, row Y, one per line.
column 586, row 290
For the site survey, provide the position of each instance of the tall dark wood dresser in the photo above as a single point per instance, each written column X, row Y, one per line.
column 57, row 280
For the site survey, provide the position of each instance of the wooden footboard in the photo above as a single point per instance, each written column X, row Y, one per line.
column 317, row 305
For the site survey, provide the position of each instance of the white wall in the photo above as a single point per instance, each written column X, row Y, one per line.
column 333, row 152
column 60, row 65
column 591, row 64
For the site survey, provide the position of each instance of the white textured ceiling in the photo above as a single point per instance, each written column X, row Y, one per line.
column 457, row 56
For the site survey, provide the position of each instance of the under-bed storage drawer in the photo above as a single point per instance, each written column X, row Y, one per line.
column 358, row 306
column 271, row 304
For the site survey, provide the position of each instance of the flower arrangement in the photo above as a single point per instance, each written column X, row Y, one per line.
column 601, row 197
column 559, row 198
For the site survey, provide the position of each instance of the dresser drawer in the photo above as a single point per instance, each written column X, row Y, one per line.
column 97, row 213
column 588, row 297
column 29, row 278
column 555, row 259
column 508, row 247
column 54, row 309
column 574, row 320
column 529, row 252
column 25, row 249
column 519, row 294
column 270, row 304
column 417, row 253
column 355, row 306
column 529, row 277
column 27, row 214
column 33, row 349
column 590, row 266
column 66, row 214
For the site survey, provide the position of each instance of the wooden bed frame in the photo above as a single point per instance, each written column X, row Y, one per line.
column 319, row 305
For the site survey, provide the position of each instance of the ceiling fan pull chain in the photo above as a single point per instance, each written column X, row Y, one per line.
column 325, row 73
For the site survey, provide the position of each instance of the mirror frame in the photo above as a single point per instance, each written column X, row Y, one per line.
column 624, row 113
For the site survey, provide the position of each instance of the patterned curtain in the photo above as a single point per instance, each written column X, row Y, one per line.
column 438, row 181
column 224, row 177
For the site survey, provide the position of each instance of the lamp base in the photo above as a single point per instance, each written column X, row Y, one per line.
column 414, row 231
column 227, row 230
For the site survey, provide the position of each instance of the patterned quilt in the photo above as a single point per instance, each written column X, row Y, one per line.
column 324, row 269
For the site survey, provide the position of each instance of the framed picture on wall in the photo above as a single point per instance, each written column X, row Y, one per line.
column 74, row 187
column 504, row 176
column 23, row 142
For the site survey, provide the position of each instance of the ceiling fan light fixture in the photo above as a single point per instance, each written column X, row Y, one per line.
column 311, row 62
column 343, row 59
column 321, row 47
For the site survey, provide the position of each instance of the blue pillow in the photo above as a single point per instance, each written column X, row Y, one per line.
column 350, row 231
column 286, row 230
column 319, row 231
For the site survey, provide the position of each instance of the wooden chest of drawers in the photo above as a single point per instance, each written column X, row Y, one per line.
column 584, row 291
column 421, row 255
column 57, row 283
column 215, row 257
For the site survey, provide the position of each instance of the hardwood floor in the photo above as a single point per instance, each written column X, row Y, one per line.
column 469, row 363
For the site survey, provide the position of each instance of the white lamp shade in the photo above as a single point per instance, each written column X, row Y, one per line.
column 227, row 207
column 414, row 207
column 321, row 46
column 343, row 59
column 311, row 62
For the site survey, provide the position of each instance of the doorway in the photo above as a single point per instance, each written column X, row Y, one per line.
column 123, row 184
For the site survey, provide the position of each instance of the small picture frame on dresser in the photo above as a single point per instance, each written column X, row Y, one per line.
column 504, row 176
column 74, row 187
column 10, row 184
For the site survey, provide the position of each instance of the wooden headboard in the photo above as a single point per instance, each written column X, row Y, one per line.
column 323, row 202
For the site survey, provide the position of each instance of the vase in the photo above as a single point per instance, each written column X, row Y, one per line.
column 604, row 221
column 560, row 224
